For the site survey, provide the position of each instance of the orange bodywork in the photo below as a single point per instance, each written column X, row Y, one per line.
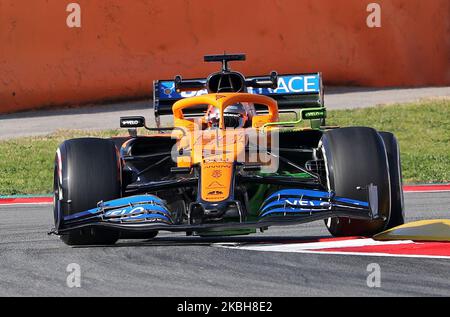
column 216, row 150
column 220, row 143
column 216, row 180
column 221, row 101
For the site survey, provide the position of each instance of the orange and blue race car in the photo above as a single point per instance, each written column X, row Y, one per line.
column 243, row 154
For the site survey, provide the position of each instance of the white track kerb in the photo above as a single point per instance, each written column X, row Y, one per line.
column 365, row 247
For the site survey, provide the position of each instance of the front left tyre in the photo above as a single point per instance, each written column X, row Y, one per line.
column 87, row 171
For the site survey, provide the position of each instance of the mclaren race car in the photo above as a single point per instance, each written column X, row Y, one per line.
column 243, row 154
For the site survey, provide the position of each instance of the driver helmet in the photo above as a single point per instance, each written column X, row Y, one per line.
column 237, row 115
column 213, row 117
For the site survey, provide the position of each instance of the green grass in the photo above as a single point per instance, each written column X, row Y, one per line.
column 26, row 164
column 422, row 128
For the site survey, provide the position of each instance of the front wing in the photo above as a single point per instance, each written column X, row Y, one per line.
column 148, row 213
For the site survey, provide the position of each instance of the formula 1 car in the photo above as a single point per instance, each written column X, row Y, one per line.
column 229, row 165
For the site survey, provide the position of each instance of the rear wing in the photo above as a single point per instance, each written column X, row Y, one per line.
column 294, row 91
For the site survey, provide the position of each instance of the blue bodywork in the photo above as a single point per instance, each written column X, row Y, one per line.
column 140, row 208
column 287, row 203
column 303, row 202
column 287, row 85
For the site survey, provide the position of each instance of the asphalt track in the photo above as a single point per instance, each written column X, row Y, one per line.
column 34, row 264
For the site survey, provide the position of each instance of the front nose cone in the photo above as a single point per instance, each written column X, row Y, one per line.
column 216, row 181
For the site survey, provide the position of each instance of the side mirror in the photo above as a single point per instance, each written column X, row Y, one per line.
column 132, row 122
column 312, row 114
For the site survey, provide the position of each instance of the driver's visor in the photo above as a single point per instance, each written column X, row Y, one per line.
column 233, row 120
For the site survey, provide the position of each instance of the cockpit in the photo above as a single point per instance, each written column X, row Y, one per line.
column 238, row 115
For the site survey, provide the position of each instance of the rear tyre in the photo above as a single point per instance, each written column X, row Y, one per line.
column 395, row 174
column 354, row 157
column 87, row 171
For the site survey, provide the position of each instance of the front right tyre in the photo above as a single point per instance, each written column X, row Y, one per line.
column 395, row 174
column 87, row 171
column 356, row 157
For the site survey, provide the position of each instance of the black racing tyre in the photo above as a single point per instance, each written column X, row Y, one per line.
column 87, row 170
column 395, row 173
column 356, row 157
